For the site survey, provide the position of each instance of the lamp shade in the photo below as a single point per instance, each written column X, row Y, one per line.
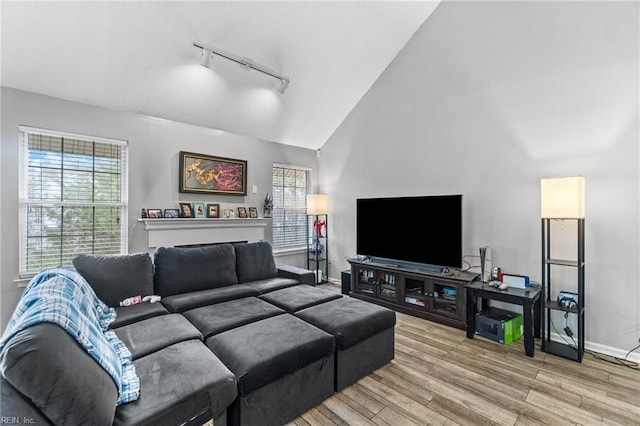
column 562, row 198
column 317, row 204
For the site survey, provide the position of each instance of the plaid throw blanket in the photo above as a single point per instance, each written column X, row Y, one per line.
column 63, row 297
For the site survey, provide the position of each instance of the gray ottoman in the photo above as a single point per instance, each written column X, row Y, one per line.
column 283, row 366
column 363, row 333
column 302, row 296
column 220, row 317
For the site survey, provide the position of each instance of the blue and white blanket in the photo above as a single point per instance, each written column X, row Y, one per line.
column 63, row 297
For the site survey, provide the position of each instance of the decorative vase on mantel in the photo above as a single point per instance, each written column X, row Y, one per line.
column 268, row 205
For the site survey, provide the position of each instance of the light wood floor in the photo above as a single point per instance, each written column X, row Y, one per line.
column 439, row 376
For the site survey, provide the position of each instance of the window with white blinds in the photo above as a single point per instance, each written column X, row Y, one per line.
column 290, row 188
column 73, row 198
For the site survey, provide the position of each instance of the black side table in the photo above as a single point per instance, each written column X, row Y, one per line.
column 528, row 298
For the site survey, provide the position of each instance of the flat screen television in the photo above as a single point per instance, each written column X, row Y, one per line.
column 425, row 230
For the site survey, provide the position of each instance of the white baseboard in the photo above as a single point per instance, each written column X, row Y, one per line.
column 605, row 350
column 614, row 352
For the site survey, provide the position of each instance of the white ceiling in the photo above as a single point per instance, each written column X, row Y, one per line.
column 139, row 56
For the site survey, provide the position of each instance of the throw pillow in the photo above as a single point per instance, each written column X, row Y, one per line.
column 115, row 278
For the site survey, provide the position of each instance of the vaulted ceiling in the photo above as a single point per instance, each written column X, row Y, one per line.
column 139, row 56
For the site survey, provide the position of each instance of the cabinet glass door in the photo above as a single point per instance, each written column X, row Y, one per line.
column 445, row 299
column 364, row 282
column 387, row 283
column 414, row 292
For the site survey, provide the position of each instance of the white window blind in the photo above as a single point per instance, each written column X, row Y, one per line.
column 290, row 188
column 73, row 198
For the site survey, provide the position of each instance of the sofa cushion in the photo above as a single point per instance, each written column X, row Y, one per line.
column 184, row 270
column 115, row 278
column 129, row 314
column 55, row 373
column 215, row 319
column 153, row 334
column 263, row 351
column 184, row 302
column 350, row 320
column 255, row 261
column 270, row 284
column 178, row 383
column 292, row 299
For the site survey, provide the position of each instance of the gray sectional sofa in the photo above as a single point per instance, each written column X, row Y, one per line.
column 235, row 338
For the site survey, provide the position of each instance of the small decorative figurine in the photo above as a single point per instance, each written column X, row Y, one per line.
column 319, row 224
column 268, row 205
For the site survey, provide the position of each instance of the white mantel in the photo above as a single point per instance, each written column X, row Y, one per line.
column 176, row 232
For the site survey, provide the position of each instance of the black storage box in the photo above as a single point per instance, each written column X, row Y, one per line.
column 346, row 281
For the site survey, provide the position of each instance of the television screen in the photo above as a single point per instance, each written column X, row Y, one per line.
column 425, row 229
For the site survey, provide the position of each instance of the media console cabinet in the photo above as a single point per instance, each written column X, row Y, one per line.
column 430, row 295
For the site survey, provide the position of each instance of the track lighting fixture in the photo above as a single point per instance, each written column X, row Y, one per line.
column 245, row 63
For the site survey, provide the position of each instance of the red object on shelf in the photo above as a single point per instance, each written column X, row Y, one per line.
column 319, row 224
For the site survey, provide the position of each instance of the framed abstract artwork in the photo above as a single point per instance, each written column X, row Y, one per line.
column 206, row 174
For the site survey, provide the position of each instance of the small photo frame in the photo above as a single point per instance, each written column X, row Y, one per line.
column 242, row 212
column 186, row 210
column 171, row 213
column 213, row 210
column 199, row 210
column 253, row 212
column 154, row 213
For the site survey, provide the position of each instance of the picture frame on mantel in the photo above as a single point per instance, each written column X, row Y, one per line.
column 199, row 210
column 207, row 174
column 213, row 210
column 186, row 210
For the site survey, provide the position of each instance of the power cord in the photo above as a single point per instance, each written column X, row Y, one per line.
column 566, row 342
column 469, row 265
column 607, row 358
column 618, row 361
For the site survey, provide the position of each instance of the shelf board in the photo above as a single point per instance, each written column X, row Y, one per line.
column 562, row 262
column 554, row 305
column 563, row 350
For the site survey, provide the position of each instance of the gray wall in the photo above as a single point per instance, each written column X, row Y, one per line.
column 153, row 166
column 485, row 100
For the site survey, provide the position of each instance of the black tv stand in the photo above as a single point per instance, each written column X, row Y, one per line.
column 422, row 291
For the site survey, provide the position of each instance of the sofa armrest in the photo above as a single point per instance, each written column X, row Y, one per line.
column 15, row 407
column 305, row 276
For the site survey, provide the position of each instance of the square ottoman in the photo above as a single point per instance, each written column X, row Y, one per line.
column 220, row 317
column 363, row 332
column 283, row 366
column 302, row 296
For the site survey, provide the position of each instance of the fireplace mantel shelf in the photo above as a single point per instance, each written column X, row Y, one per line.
column 185, row 231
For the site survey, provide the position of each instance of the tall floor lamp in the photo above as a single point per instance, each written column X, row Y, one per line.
column 563, row 199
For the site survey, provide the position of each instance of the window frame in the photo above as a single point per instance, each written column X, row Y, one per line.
column 299, row 208
column 24, row 202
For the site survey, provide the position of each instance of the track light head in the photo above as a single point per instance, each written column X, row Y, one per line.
column 284, row 84
column 205, row 60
